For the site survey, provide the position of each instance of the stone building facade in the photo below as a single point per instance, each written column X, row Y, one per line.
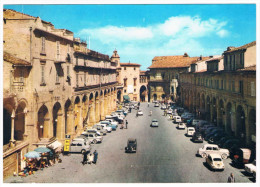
column 53, row 86
column 226, row 96
column 164, row 76
column 131, row 81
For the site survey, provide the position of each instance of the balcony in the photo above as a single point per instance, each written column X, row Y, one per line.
column 93, row 86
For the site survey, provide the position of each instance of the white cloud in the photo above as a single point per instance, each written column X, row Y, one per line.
column 222, row 33
column 174, row 36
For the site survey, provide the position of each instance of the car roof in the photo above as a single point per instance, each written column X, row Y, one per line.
column 211, row 145
column 214, row 155
column 131, row 139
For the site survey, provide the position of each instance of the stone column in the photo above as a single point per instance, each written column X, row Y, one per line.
column 12, row 140
column 97, row 111
column 92, row 114
column 60, row 130
column 70, row 124
column 105, row 105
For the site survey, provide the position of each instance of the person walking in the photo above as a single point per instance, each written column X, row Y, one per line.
column 95, row 157
column 84, row 156
column 231, row 178
column 126, row 123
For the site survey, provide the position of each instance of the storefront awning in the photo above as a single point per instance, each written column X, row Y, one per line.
column 55, row 145
column 126, row 97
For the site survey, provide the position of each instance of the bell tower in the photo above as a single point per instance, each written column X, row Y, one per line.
column 115, row 58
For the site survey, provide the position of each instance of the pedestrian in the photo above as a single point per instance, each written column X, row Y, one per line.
column 95, row 157
column 231, row 178
column 84, row 156
column 90, row 158
column 126, row 123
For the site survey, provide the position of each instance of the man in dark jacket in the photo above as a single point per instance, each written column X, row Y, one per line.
column 126, row 123
column 95, row 156
column 231, row 178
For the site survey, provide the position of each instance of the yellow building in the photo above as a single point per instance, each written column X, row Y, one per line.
column 53, row 86
column 226, row 97
column 164, row 75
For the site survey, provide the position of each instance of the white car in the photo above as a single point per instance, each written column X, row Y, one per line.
column 250, row 168
column 93, row 130
column 140, row 113
column 163, row 107
column 176, row 119
column 215, row 162
column 190, row 131
column 156, row 105
column 106, row 127
column 213, row 148
column 154, row 123
column 169, row 111
column 181, row 126
column 113, row 122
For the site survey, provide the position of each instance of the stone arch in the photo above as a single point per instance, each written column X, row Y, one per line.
column 68, row 117
column 252, row 124
column 208, row 112
column 155, row 97
column 214, row 111
column 77, row 109
column 19, row 121
column 119, row 95
column 57, row 119
column 229, row 117
column 240, row 123
column 221, row 113
column 7, row 126
column 43, row 125
column 143, row 93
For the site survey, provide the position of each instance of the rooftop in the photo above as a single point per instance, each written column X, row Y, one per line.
column 249, row 68
column 14, row 60
column 179, row 61
column 232, row 49
column 129, row 64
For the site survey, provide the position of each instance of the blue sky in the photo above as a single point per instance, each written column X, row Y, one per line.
column 141, row 32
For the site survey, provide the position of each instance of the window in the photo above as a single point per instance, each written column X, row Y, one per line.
column 124, row 91
column 134, row 81
column 199, row 81
column 233, row 86
column 43, row 45
column 77, row 79
column 242, row 59
column 206, row 82
column 85, row 62
column 134, row 90
column 21, row 75
column 124, row 68
column 209, row 148
column 77, row 61
column 68, row 48
column 58, row 50
column 229, row 85
column 42, row 74
column 125, row 82
column 241, row 87
column 134, row 68
column 85, row 77
column 68, row 71
column 57, row 77
column 225, row 84
column 222, row 85
column 252, row 88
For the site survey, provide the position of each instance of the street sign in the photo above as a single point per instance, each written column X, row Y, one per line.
column 67, row 143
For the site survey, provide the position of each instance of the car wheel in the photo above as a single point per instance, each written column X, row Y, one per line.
column 224, row 156
column 82, row 151
column 203, row 155
column 94, row 141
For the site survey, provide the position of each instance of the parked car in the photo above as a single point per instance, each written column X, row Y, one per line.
column 222, row 140
column 79, row 147
column 197, row 137
column 131, row 145
column 169, row 111
column 181, row 126
column 114, row 127
column 156, row 105
column 154, row 123
column 195, row 122
column 212, row 148
column 250, row 168
column 213, row 139
column 112, row 122
column 92, row 130
column 106, row 127
column 163, row 107
column 190, row 131
column 215, row 162
column 176, row 119
column 100, row 128
column 241, row 157
column 140, row 113
column 94, row 138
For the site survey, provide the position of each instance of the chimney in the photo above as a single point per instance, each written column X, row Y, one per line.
column 185, row 55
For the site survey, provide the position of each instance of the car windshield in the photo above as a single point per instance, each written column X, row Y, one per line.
column 191, row 129
column 154, row 120
column 217, row 159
